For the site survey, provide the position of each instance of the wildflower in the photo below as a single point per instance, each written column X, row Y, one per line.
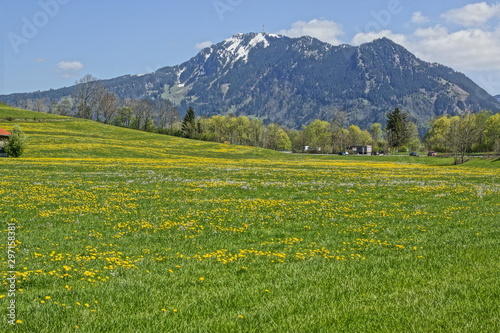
column 202, row 279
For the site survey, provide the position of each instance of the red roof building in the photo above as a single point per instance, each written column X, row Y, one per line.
column 4, row 133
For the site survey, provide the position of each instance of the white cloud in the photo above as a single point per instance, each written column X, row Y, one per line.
column 469, row 49
column 464, row 50
column 69, row 69
column 419, row 18
column 366, row 37
column 69, row 66
column 473, row 14
column 204, row 44
column 324, row 30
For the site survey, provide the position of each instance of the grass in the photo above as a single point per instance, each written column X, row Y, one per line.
column 121, row 230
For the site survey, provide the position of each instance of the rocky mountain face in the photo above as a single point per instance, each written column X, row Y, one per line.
column 292, row 81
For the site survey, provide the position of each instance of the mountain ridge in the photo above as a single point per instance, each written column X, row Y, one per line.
column 292, row 81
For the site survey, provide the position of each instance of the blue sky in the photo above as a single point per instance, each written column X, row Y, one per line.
column 52, row 43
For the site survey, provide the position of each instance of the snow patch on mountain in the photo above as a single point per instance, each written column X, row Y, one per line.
column 235, row 48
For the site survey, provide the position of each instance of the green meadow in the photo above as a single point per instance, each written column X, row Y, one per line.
column 117, row 230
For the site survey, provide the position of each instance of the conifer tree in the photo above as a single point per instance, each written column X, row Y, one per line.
column 397, row 128
column 189, row 123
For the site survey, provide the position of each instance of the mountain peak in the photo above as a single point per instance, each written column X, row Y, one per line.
column 384, row 40
column 239, row 46
column 292, row 81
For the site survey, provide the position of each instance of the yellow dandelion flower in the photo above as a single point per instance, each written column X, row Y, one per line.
column 19, row 321
column 202, row 279
column 47, row 297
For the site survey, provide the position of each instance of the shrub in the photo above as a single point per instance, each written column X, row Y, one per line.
column 17, row 142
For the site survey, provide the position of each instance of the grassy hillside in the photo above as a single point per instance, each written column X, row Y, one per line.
column 125, row 231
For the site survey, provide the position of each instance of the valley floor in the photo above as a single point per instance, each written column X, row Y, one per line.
column 124, row 231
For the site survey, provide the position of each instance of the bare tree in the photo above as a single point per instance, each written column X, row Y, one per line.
column 39, row 105
column 463, row 133
column 87, row 95
column 23, row 104
column 53, row 107
column 143, row 114
column 108, row 105
column 166, row 113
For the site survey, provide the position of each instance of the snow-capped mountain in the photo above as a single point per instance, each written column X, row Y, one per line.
column 292, row 81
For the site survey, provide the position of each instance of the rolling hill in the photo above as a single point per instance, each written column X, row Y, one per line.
column 118, row 230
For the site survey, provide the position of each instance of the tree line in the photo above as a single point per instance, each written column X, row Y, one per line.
column 459, row 134
column 473, row 132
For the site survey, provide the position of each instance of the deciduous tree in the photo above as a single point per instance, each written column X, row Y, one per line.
column 63, row 108
column 463, row 133
column 318, row 135
column 108, row 106
column 87, row 95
